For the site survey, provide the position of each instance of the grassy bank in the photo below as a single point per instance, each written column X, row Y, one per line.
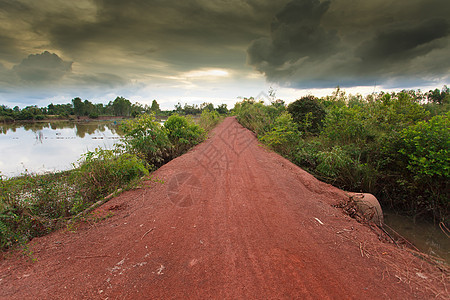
column 33, row 205
column 395, row 146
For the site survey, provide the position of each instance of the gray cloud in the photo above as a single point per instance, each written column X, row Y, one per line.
column 99, row 80
column 45, row 67
column 316, row 43
column 298, row 43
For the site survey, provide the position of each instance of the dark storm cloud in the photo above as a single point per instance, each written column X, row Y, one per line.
column 300, row 43
column 401, row 42
column 184, row 34
column 45, row 67
column 316, row 43
column 100, row 80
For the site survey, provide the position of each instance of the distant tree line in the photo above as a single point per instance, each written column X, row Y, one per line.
column 121, row 107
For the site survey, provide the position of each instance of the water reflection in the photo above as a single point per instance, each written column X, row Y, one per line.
column 427, row 237
column 51, row 146
column 81, row 128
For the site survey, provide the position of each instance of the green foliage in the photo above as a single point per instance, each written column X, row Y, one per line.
column 101, row 172
column 158, row 144
column 283, row 135
column 385, row 144
column 308, row 113
column 121, row 106
column 439, row 97
column 344, row 125
column 31, row 205
column 183, row 133
column 155, row 107
column 222, row 109
column 252, row 115
column 149, row 140
column 209, row 119
column 426, row 146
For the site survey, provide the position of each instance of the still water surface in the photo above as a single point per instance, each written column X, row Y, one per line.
column 51, row 146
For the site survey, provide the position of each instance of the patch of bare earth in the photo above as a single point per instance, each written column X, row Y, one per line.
column 231, row 220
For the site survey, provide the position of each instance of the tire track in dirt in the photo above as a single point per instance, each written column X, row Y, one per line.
column 232, row 220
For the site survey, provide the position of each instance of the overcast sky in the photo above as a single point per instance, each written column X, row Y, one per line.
column 217, row 50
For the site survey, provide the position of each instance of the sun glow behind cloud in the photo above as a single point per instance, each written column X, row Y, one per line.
column 206, row 74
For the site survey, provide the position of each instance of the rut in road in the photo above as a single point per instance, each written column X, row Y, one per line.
column 231, row 220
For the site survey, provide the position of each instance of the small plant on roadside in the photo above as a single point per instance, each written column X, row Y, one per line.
column 101, row 172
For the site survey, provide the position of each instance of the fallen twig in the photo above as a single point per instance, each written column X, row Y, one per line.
column 441, row 224
column 147, row 232
column 94, row 256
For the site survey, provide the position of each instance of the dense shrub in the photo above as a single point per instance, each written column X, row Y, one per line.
column 101, row 172
column 183, row 133
column 283, row 135
column 385, row 144
column 149, row 140
column 308, row 113
column 209, row 119
column 30, row 205
column 252, row 115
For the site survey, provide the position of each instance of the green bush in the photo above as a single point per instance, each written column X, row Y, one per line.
column 344, row 125
column 101, row 172
column 209, row 119
column 253, row 116
column 183, row 133
column 308, row 113
column 426, row 146
column 149, row 140
column 283, row 135
column 31, row 205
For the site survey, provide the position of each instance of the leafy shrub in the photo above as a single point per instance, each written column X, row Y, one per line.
column 344, row 125
column 101, row 172
column 183, row 133
column 31, row 205
column 308, row 113
column 149, row 140
column 252, row 116
column 283, row 135
column 426, row 146
column 209, row 119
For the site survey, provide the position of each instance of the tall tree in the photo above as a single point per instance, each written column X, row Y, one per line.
column 121, row 107
column 155, row 107
column 78, row 106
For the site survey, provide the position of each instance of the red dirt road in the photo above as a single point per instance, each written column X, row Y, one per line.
column 232, row 220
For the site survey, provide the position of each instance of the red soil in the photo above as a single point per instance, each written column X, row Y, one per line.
column 232, row 220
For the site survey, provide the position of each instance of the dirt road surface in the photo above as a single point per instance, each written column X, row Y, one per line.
column 228, row 220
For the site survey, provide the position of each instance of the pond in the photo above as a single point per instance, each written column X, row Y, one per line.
column 51, row 146
column 427, row 237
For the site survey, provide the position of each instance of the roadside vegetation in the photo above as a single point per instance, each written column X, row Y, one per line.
column 393, row 145
column 33, row 205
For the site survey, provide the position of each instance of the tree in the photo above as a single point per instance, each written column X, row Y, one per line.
column 439, row 97
column 78, row 106
column 207, row 106
column 155, row 107
column 308, row 113
column 222, row 109
column 121, row 106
